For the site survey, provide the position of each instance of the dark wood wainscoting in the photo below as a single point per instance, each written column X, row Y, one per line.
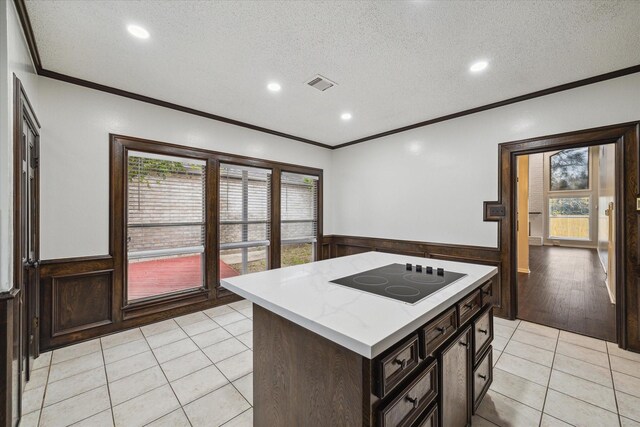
column 79, row 302
column 337, row 245
column 9, row 357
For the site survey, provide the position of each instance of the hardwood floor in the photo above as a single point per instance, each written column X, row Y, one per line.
column 566, row 290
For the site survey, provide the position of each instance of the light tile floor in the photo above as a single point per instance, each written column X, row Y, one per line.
column 196, row 370
column 547, row 377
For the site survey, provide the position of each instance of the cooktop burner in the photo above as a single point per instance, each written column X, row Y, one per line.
column 406, row 283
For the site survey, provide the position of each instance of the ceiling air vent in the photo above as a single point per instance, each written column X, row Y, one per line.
column 321, row 83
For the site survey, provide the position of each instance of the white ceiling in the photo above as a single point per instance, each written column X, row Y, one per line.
column 395, row 62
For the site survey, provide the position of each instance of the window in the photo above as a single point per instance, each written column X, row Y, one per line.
column 569, row 195
column 299, row 216
column 569, row 217
column 245, row 217
column 569, row 170
column 183, row 218
column 165, row 228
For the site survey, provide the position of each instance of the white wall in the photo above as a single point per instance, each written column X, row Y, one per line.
column 14, row 58
column 536, row 197
column 607, row 194
column 74, row 173
column 428, row 184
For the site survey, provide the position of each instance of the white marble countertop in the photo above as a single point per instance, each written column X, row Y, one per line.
column 360, row 321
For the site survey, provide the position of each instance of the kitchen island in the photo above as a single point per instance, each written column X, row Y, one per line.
column 329, row 355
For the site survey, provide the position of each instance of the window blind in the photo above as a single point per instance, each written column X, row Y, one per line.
column 245, row 215
column 165, row 221
column 299, row 218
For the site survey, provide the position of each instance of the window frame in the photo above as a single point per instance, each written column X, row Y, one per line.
column 127, row 226
column 219, row 222
column 318, row 237
column 589, row 192
column 211, row 290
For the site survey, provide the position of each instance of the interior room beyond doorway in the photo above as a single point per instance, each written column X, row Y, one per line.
column 566, row 240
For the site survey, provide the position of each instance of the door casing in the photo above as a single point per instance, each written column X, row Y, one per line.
column 626, row 137
column 26, row 233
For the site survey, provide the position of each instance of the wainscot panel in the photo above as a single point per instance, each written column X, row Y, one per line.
column 95, row 292
column 79, row 302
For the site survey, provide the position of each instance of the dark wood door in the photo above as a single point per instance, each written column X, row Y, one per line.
column 29, row 242
column 455, row 402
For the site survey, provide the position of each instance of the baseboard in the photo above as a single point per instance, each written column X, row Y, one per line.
column 611, row 296
column 535, row 240
column 524, row 270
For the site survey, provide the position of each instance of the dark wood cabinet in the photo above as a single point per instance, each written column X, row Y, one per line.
column 438, row 331
column 399, row 363
column 470, row 306
column 482, row 377
column 482, row 333
column 429, row 418
column 455, row 391
column 412, row 400
column 436, row 376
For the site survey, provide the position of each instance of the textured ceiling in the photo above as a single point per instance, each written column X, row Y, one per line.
column 396, row 63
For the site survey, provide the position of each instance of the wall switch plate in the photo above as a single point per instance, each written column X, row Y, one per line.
column 638, row 203
column 500, row 210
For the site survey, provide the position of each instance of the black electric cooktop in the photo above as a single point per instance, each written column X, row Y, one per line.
column 407, row 283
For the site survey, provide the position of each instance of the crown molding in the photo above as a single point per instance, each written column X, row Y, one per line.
column 33, row 49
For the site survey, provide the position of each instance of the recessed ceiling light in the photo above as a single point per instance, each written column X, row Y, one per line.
column 346, row 116
column 478, row 66
column 274, row 87
column 138, row 31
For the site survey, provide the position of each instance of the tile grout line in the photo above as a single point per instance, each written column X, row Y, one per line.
column 565, row 341
column 240, row 414
column 165, row 376
column 87, row 391
column 515, row 400
column 229, row 382
column 223, row 374
column 546, row 392
column 580, row 378
column 144, row 337
column 512, row 398
column 613, row 383
column 566, row 373
column 214, row 363
column 495, row 362
column 44, row 393
column 106, row 379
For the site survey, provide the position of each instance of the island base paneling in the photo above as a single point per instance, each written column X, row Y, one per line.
column 303, row 379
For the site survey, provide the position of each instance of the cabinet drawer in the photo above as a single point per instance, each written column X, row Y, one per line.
column 397, row 365
column 412, row 401
column 482, row 377
column 438, row 331
column 469, row 306
column 482, row 333
column 429, row 418
column 487, row 292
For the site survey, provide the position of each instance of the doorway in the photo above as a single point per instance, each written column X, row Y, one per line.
column 26, row 232
column 566, row 239
column 626, row 137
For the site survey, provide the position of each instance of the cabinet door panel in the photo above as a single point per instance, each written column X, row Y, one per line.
column 455, row 402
